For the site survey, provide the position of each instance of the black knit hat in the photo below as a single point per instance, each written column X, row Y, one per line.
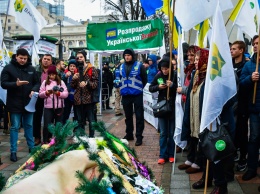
column 72, row 61
column 129, row 51
column 165, row 62
column 52, row 70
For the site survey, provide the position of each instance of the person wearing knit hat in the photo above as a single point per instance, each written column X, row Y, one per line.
column 162, row 84
column 69, row 101
column 85, row 83
column 152, row 69
column 52, row 70
column 41, row 70
column 129, row 51
column 53, row 90
column 132, row 94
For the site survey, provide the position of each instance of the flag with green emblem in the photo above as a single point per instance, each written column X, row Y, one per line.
column 248, row 17
column 27, row 16
column 220, row 83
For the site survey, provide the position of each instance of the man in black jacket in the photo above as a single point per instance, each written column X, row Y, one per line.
column 20, row 80
column 107, row 85
column 241, row 133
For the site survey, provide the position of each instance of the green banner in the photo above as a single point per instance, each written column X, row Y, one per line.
column 121, row 35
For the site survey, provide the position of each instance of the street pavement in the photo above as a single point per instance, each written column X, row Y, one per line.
column 170, row 178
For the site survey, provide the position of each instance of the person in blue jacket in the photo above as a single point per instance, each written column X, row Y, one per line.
column 249, row 77
column 131, row 79
column 152, row 69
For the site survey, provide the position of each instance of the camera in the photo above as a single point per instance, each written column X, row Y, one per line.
column 57, row 88
column 80, row 65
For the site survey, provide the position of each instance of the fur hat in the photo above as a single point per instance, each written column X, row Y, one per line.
column 52, row 70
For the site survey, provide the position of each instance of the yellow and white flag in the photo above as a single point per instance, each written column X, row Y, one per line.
column 248, row 17
column 220, row 83
column 27, row 16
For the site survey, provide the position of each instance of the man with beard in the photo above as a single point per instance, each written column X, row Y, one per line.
column 60, row 68
column 131, row 79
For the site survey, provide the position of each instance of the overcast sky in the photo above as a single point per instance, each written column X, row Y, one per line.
column 81, row 9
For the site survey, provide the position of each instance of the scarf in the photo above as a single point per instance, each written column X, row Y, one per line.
column 200, row 73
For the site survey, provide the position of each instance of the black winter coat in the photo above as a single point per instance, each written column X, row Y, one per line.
column 18, row 96
column 154, row 87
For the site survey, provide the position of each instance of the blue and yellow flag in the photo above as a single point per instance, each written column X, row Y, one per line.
column 177, row 29
column 150, row 7
column 202, row 29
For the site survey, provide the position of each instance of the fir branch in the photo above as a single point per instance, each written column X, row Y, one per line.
column 2, row 181
column 85, row 185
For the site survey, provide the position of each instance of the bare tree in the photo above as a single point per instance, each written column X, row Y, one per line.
column 132, row 9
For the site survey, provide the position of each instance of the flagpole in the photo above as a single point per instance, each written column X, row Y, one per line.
column 2, row 43
column 230, row 31
column 170, row 40
column 207, row 170
column 256, row 69
column 233, row 12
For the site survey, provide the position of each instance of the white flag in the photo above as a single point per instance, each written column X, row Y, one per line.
column 190, row 12
column 248, row 17
column 27, row 16
column 4, row 60
column 220, row 83
column 4, row 57
column 178, row 107
column 35, row 56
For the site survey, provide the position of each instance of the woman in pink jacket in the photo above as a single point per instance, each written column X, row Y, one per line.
column 54, row 91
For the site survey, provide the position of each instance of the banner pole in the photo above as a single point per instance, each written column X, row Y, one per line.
column 2, row 43
column 256, row 68
column 170, row 40
column 207, row 170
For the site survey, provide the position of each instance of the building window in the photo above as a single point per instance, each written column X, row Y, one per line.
column 9, row 28
column 81, row 43
column 9, row 20
column 70, row 44
column 16, row 27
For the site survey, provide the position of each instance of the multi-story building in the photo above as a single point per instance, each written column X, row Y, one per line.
column 72, row 32
column 57, row 8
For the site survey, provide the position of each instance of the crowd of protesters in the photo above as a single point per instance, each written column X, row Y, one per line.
column 60, row 88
